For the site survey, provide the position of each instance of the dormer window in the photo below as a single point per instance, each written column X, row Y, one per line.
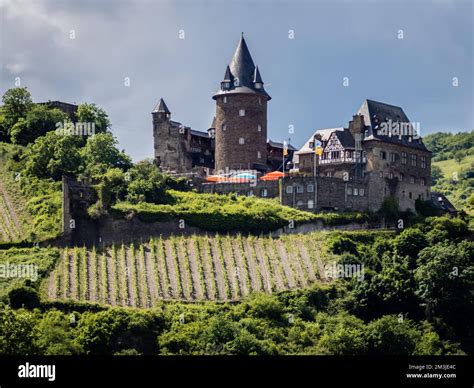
column 258, row 85
column 225, row 85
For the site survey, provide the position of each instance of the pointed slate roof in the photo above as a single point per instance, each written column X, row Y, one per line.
column 161, row 107
column 375, row 113
column 213, row 124
column 242, row 73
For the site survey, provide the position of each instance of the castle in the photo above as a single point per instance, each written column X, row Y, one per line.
column 378, row 155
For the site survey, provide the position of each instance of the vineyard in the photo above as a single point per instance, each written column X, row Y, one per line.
column 196, row 268
column 10, row 228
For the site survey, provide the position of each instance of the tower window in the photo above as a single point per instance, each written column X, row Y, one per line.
column 259, row 155
column 259, row 128
column 241, row 140
column 225, row 99
column 242, row 112
column 260, row 100
column 224, row 127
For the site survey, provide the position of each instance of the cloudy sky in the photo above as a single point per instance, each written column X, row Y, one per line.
column 140, row 40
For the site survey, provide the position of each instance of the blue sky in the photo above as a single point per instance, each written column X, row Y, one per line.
column 332, row 39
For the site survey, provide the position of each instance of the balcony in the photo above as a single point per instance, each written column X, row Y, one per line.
column 342, row 160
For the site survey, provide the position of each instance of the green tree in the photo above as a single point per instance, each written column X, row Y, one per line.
column 390, row 335
column 16, row 104
column 57, row 335
column 100, row 153
column 91, row 113
column 18, row 332
column 409, row 243
column 52, row 156
column 445, row 280
column 38, row 121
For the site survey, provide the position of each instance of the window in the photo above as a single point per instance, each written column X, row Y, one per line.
column 259, row 128
column 259, row 155
column 299, row 189
column 383, row 155
column 356, row 191
column 329, row 174
column 393, row 157
column 250, row 193
column 260, row 100
column 390, row 175
column 225, row 99
column 423, row 162
column 423, row 181
column 412, row 179
column 299, row 203
column 349, row 191
column 413, row 159
column 242, row 112
column 401, row 177
column 409, row 195
column 241, row 140
column 289, row 189
column 404, row 158
column 361, row 192
column 263, row 192
column 310, row 204
column 310, row 188
column 381, row 174
column 224, row 127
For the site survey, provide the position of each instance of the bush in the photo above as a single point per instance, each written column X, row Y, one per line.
column 26, row 297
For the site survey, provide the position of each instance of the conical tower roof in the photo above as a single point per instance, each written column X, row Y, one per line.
column 242, row 74
column 161, row 107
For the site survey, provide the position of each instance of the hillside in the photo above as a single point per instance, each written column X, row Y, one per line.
column 221, row 268
column 453, row 167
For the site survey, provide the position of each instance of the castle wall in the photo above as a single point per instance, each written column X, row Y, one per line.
column 394, row 178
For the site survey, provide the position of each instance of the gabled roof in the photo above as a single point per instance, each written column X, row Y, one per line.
column 242, row 73
column 375, row 113
column 161, row 107
column 345, row 138
column 325, row 134
column 440, row 201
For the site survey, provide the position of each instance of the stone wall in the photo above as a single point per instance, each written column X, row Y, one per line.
column 394, row 178
column 230, row 127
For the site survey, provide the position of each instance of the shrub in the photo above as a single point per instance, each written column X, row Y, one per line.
column 26, row 297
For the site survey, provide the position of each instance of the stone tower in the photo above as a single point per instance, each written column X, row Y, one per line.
column 170, row 150
column 241, row 115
